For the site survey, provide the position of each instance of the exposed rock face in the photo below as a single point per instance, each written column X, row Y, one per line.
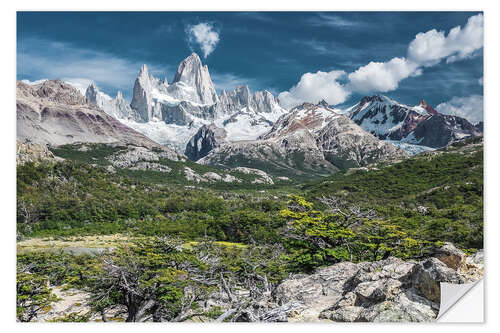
column 55, row 113
column 32, row 152
column 241, row 97
column 309, row 139
column 115, row 107
column 263, row 178
column 142, row 95
column 141, row 158
column 420, row 124
column 440, row 130
column 191, row 175
column 479, row 127
column 346, row 145
column 193, row 74
column 207, row 138
column 451, row 257
column 386, row 290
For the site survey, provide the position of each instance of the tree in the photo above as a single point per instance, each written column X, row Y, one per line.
column 150, row 279
column 324, row 236
column 377, row 239
column 33, row 294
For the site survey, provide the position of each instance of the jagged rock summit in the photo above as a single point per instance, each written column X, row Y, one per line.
column 115, row 107
column 194, row 74
column 419, row 125
column 171, row 113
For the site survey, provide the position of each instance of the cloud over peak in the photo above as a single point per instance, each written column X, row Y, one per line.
column 314, row 87
column 470, row 107
column 382, row 76
column 425, row 50
column 204, row 35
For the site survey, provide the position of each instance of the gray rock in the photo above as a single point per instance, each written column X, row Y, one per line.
column 32, row 152
column 207, row 138
column 390, row 290
column 427, row 275
column 141, row 158
column 191, row 175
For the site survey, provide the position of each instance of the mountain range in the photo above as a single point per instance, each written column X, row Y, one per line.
column 235, row 128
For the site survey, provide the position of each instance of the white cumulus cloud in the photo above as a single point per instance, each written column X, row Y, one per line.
column 426, row 49
column 205, row 35
column 470, row 108
column 314, row 87
column 432, row 46
column 382, row 76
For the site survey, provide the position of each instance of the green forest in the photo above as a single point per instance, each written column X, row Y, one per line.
column 183, row 240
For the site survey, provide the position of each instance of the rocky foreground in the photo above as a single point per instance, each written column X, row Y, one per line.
column 390, row 290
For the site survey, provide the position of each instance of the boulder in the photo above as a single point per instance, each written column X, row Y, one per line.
column 427, row 276
column 451, row 256
column 390, row 290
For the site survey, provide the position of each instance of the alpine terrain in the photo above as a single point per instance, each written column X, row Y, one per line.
column 419, row 125
column 171, row 113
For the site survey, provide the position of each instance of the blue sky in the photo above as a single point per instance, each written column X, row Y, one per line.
column 266, row 50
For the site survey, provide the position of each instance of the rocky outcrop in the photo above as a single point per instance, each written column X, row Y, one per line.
column 386, row 290
column 451, row 257
column 262, row 177
column 141, row 158
column 192, row 176
column 207, row 138
column 55, row 113
column 33, row 152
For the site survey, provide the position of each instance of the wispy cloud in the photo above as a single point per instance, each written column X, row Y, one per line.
column 335, row 21
column 258, row 16
column 39, row 58
column 229, row 81
column 165, row 29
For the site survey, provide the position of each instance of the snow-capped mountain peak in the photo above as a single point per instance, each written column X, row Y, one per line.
column 172, row 113
column 420, row 124
column 116, row 107
column 191, row 73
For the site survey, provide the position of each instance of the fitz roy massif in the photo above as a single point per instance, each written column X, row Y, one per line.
column 244, row 129
column 230, row 167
